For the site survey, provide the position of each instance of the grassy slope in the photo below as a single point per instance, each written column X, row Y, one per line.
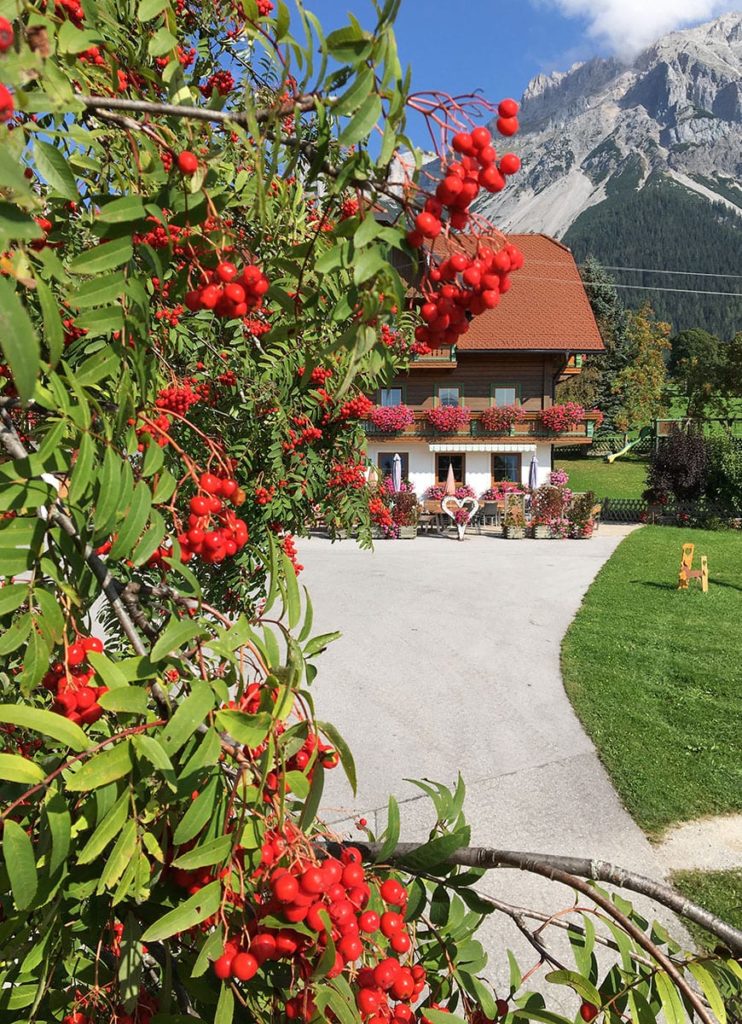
column 718, row 891
column 625, row 478
column 654, row 675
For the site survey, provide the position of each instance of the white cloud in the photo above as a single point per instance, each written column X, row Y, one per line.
column 629, row 25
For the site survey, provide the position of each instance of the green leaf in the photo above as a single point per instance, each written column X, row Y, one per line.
column 348, row 44
column 12, row 596
column 15, row 225
column 441, row 1016
column 107, row 830
column 109, row 671
column 102, row 364
column 119, row 211
column 47, row 723
column 109, row 492
column 710, row 989
column 99, row 291
column 391, row 833
column 225, row 1007
column 60, row 828
column 53, row 167
column 177, row 633
column 318, row 643
column 213, row 852
column 293, row 600
column 132, row 526
column 346, row 758
column 435, row 852
column 74, row 40
column 20, row 864
column 129, row 699
column 196, row 909
column 201, row 811
column 161, row 42
column 584, row 989
column 18, row 340
column 249, row 730
column 672, row 1004
column 311, row 804
column 82, row 473
column 298, row 783
column 105, row 767
column 362, row 122
column 101, row 321
column 105, row 256
column 189, row 715
column 352, row 98
column 148, row 9
column 53, row 332
column 120, row 857
column 14, row 768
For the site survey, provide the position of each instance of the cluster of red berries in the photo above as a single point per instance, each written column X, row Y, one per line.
column 462, row 180
column 332, row 897
column 146, row 1009
column 178, row 398
column 226, row 294
column 461, row 287
column 72, row 9
column 14, row 744
column 264, row 495
column 70, row 680
column 288, row 543
column 222, row 81
column 7, row 107
column 357, row 408
column 351, row 475
column 305, row 434
column 214, row 544
column 380, row 513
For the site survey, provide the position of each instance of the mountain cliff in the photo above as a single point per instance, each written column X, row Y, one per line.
column 641, row 166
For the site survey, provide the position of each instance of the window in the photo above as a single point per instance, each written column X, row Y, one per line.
column 506, row 394
column 442, row 462
column 391, row 396
column 448, row 396
column 386, row 463
column 506, row 467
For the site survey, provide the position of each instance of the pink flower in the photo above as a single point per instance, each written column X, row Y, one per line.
column 561, row 418
column 392, row 418
column 500, row 418
column 449, row 418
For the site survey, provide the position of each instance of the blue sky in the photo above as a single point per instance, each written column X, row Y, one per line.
column 499, row 45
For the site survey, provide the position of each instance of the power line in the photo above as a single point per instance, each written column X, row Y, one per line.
column 630, row 287
column 639, row 270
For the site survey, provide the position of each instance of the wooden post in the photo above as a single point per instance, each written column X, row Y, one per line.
column 704, row 574
column 686, row 566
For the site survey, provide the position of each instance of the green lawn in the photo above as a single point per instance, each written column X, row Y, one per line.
column 654, row 675
column 625, row 478
column 717, row 891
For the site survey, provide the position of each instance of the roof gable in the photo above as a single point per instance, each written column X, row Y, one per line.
column 546, row 308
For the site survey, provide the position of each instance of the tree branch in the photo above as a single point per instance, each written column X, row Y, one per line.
column 304, row 104
column 552, row 866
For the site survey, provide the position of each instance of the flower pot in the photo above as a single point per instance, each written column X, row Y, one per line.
column 583, row 532
column 542, row 531
column 515, row 532
column 407, row 532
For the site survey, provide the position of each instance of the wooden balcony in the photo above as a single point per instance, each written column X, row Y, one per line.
column 529, row 429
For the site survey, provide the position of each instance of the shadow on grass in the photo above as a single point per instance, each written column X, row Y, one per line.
column 674, row 586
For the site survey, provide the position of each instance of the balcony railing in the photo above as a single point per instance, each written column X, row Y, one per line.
column 528, row 429
column 436, row 359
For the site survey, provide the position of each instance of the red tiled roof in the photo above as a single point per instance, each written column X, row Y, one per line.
column 546, row 308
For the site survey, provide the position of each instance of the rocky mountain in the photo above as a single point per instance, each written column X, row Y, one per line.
column 641, row 166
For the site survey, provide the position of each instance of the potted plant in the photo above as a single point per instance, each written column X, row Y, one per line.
column 547, row 510
column 500, row 419
column 405, row 514
column 515, row 518
column 581, row 516
column 448, row 419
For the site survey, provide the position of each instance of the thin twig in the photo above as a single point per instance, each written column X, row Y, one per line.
column 302, row 103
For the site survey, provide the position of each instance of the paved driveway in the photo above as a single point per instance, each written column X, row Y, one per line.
column 450, row 662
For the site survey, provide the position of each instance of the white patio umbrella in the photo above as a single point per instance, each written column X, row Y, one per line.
column 533, row 474
column 450, row 480
column 397, row 473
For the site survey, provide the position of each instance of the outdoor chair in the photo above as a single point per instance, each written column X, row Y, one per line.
column 490, row 513
column 595, row 515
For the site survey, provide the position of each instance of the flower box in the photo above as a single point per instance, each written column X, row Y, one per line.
column 542, row 531
column 407, row 532
column 559, row 419
column 515, row 532
column 500, row 419
column 392, row 419
column 449, row 419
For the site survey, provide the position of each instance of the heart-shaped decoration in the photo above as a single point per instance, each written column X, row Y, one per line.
column 452, row 505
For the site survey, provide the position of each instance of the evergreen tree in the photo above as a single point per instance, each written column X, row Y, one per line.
column 697, row 367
